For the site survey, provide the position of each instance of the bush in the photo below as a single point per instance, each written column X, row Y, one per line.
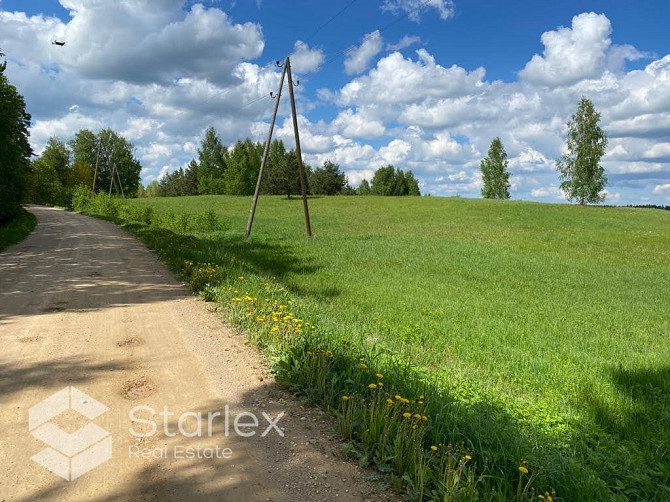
column 81, row 198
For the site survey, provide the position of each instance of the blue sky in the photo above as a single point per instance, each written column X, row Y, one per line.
column 428, row 92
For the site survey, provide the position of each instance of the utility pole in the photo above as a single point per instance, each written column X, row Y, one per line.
column 303, row 185
column 252, row 212
column 301, row 169
column 97, row 160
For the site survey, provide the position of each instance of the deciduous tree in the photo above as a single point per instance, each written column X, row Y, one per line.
column 582, row 177
column 15, row 149
column 494, row 172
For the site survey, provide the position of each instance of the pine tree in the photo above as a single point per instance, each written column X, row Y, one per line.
column 582, row 177
column 494, row 172
column 212, row 162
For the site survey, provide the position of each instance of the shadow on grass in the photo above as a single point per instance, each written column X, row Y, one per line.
column 633, row 432
column 234, row 255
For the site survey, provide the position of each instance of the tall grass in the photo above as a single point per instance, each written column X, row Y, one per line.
column 536, row 334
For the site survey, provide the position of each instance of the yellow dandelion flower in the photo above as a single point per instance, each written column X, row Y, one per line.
column 421, row 396
column 424, row 418
column 389, row 402
column 523, row 469
column 372, row 386
column 468, row 457
column 364, row 366
column 434, row 448
column 417, row 416
column 274, row 329
column 380, row 384
column 407, row 414
column 398, row 397
column 420, row 402
column 345, row 398
column 379, row 375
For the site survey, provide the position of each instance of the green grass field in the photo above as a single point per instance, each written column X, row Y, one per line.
column 556, row 316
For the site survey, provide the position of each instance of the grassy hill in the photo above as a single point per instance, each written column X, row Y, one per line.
column 554, row 316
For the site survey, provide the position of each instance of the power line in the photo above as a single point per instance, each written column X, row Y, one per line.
column 340, row 12
column 381, row 30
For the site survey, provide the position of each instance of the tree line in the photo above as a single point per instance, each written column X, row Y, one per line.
column 101, row 162
column 234, row 171
column 582, row 177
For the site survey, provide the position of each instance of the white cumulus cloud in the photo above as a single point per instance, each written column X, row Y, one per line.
column 359, row 58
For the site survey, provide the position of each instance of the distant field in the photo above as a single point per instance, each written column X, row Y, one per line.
column 559, row 314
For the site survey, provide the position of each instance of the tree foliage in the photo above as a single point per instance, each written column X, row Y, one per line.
column 108, row 150
column 389, row 180
column 282, row 176
column 57, row 156
column 183, row 181
column 44, row 185
column 364, row 188
column 244, row 162
column 212, row 164
column 494, row 172
column 327, row 180
column 582, row 177
column 15, row 149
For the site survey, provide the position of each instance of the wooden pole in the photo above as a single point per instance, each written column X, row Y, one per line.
column 97, row 160
column 252, row 212
column 301, row 169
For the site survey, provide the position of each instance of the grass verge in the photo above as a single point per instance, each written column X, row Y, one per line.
column 17, row 229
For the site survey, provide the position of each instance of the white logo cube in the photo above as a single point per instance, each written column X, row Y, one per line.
column 71, row 454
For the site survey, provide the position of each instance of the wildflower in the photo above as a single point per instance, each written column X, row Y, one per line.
column 421, row 396
column 523, row 469
column 345, row 398
column 236, row 299
column 389, row 402
column 380, row 384
column 407, row 414
column 420, row 402
column 260, row 318
column 417, row 416
column 434, row 448
column 379, row 375
column 468, row 457
column 274, row 329
column 414, row 427
column 241, row 278
column 424, row 418
column 372, row 386
column 398, row 397
column 364, row 366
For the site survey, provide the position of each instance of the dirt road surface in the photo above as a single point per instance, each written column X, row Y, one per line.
column 86, row 308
